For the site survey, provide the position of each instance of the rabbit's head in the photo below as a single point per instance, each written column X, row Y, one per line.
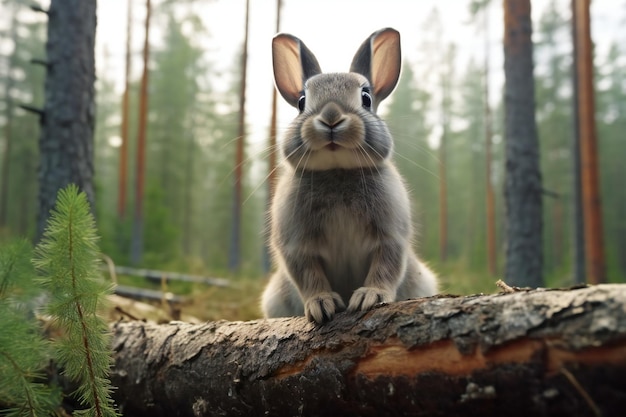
column 337, row 126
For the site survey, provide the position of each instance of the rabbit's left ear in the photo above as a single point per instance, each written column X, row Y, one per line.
column 294, row 63
column 379, row 60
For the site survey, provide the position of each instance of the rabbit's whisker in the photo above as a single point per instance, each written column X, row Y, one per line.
column 412, row 162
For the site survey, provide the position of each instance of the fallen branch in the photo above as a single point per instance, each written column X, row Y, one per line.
column 158, row 276
column 148, row 294
column 542, row 352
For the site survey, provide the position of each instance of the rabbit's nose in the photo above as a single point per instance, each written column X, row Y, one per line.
column 331, row 115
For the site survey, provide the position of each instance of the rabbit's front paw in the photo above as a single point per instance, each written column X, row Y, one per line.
column 323, row 306
column 365, row 298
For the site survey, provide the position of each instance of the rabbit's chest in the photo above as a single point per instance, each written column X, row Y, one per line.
column 342, row 228
column 345, row 246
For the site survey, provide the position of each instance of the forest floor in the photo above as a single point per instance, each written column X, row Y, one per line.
column 240, row 301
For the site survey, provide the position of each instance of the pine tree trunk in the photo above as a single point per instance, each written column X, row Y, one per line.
column 523, row 190
column 66, row 142
column 6, row 157
column 490, row 204
column 539, row 353
column 235, row 240
column 136, row 250
column 123, row 163
column 578, row 224
column 591, row 203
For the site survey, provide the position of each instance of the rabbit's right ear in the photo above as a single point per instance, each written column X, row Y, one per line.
column 294, row 63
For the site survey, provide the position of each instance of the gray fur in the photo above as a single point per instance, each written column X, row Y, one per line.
column 340, row 219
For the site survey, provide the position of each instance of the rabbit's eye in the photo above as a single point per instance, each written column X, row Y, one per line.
column 366, row 98
column 301, row 103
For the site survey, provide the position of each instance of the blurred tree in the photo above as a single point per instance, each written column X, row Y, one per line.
column 66, row 143
column 523, row 190
column 174, row 103
column 113, row 230
column 611, row 111
column 123, row 162
column 23, row 85
column 553, row 113
column 578, row 228
column 235, row 239
column 440, row 74
column 8, row 114
column 592, row 207
column 482, row 7
column 467, row 179
column 406, row 115
column 137, row 239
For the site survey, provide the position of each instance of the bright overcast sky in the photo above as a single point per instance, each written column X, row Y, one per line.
column 332, row 29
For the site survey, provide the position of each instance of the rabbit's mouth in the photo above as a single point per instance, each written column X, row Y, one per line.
column 332, row 146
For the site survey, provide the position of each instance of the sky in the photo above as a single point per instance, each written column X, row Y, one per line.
column 332, row 29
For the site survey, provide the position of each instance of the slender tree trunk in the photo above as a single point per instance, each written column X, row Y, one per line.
column 443, row 194
column 235, row 243
column 490, row 205
column 273, row 131
column 6, row 158
column 123, row 167
column 66, row 142
column 578, row 226
column 273, row 151
column 189, row 189
column 592, row 207
column 523, row 190
column 138, row 221
column 446, row 81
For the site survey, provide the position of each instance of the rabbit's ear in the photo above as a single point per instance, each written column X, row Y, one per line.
column 294, row 63
column 379, row 60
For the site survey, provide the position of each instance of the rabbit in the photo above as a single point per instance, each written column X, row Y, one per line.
column 340, row 219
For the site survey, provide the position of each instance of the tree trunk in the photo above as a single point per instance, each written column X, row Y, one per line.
column 490, row 204
column 235, row 240
column 577, row 200
column 543, row 352
column 6, row 157
column 591, row 204
column 522, row 190
column 66, row 142
column 136, row 250
column 123, row 163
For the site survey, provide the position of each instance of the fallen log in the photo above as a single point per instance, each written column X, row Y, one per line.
column 540, row 353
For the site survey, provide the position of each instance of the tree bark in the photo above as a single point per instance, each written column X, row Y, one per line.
column 589, row 164
column 522, row 189
column 235, row 240
column 66, row 142
column 123, row 163
column 137, row 243
column 541, row 352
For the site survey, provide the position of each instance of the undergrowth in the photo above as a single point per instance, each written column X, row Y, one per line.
column 66, row 268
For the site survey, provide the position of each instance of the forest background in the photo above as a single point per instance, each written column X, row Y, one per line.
column 437, row 114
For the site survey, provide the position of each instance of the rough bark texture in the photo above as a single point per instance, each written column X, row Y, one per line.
column 519, row 354
column 522, row 189
column 66, row 143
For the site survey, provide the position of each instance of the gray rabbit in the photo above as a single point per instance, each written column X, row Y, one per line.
column 340, row 218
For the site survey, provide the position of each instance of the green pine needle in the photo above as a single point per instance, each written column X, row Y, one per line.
column 68, row 262
column 23, row 352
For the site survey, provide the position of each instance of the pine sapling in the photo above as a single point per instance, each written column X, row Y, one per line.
column 23, row 351
column 67, row 260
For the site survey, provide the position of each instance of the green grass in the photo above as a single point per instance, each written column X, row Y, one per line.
column 239, row 301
